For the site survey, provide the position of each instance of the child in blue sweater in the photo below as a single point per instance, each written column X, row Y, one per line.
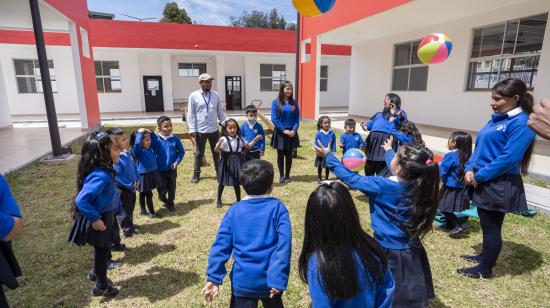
column 402, row 211
column 168, row 167
column 454, row 194
column 126, row 180
column 326, row 138
column 257, row 232
column 249, row 130
column 351, row 139
column 95, row 204
column 342, row 265
column 147, row 150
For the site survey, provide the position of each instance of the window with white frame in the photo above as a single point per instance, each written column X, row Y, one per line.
column 323, row 86
column 191, row 69
column 27, row 74
column 271, row 77
column 107, row 76
column 506, row 50
column 409, row 73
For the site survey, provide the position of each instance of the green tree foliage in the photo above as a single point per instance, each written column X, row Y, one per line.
column 172, row 13
column 258, row 19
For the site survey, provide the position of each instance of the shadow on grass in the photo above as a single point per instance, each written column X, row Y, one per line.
column 515, row 259
column 185, row 208
column 437, row 303
column 158, row 283
column 146, row 252
column 157, row 227
column 309, row 178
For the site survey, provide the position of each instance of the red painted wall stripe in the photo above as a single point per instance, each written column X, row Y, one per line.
column 27, row 38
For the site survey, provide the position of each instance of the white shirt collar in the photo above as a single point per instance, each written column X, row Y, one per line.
column 326, row 133
column 165, row 137
column 395, row 178
column 202, row 91
column 514, row 112
column 251, row 125
column 252, row 197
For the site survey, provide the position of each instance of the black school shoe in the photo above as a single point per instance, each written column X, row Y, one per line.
column 195, row 179
column 92, row 277
column 109, row 291
column 131, row 233
column 473, row 272
column 118, row 247
column 170, row 208
column 112, row 264
column 282, row 180
column 153, row 215
column 459, row 230
column 474, row 259
column 219, row 204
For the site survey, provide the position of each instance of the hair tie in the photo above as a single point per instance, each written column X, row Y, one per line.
column 429, row 162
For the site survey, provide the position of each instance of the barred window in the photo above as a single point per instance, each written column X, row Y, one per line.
column 107, row 75
column 271, row 77
column 409, row 73
column 27, row 74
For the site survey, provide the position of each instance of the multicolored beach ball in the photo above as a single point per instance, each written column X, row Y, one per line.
column 434, row 48
column 312, row 8
column 354, row 160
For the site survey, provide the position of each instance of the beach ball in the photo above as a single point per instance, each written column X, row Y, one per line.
column 354, row 160
column 312, row 8
column 434, row 48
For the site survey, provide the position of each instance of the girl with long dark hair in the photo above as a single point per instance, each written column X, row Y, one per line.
column 454, row 194
column 403, row 209
column 342, row 265
column 285, row 115
column 95, row 204
column 502, row 154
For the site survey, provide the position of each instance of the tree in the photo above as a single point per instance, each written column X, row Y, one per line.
column 258, row 19
column 172, row 13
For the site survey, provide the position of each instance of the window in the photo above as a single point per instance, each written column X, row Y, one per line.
column 191, row 69
column 271, row 77
column 409, row 73
column 27, row 74
column 506, row 50
column 107, row 76
column 324, row 78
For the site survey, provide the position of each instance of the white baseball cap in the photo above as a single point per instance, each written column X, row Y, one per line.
column 205, row 76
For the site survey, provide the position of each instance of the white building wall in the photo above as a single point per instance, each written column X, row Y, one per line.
column 5, row 119
column 445, row 103
column 183, row 86
column 33, row 103
column 337, row 94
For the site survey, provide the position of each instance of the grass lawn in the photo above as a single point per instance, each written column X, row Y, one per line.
column 166, row 265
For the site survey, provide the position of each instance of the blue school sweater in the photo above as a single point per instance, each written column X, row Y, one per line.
column 402, row 116
column 371, row 295
column 401, row 137
column 287, row 119
column 8, row 209
column 173, row 152
column 387, row 201
column 147, row 158
column 126, row 171
column 257, row 232
column 448, row 170
column 249, row 134
column 325, row 139
column 500, row 146
column 97, row 195
column 380, row 124
column 352, row 141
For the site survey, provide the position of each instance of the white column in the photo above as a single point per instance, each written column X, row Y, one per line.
column 317, row 75
column 75, row 50
column 220, row 77
column 167, row 82
column 542, row 90
column 5, row 115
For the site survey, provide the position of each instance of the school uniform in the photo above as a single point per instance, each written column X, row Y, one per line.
column 174, row 153
column 379, row 131
column 351, row 141
column 371, row 294
column 324, row 138
column 9, row 267
column 249, row 132
column 390, row 207
column 125, row 179
column 257, row 232
column 147, row 165
column 453, row 194
column 286, row 119
column 229, row 166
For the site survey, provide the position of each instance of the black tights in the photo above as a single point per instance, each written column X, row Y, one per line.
column 320, row 172
column 237, row 192
column 491, row 225
column 101, row 257
column 146, row 196
column 281, row 156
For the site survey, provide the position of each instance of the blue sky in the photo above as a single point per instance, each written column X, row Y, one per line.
column 208, row 12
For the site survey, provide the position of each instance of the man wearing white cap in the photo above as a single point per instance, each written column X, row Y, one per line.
column 205, row 115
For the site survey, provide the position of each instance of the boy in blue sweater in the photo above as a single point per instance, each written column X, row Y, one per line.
column 168, row 164
column 249, row 131
column 257, row 232
column 351, row 139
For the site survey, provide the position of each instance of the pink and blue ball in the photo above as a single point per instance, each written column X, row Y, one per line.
column 435, row 48
column 354, row 160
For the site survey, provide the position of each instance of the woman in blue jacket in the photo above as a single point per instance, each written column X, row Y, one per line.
column 502, row 154
column 285, row 115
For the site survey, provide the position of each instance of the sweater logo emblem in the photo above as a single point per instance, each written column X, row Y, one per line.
column 255, row 131
column 501, row 127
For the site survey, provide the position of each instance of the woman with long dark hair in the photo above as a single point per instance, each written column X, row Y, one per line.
column 285, row 115
column 501, row 155
column 342, row 265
